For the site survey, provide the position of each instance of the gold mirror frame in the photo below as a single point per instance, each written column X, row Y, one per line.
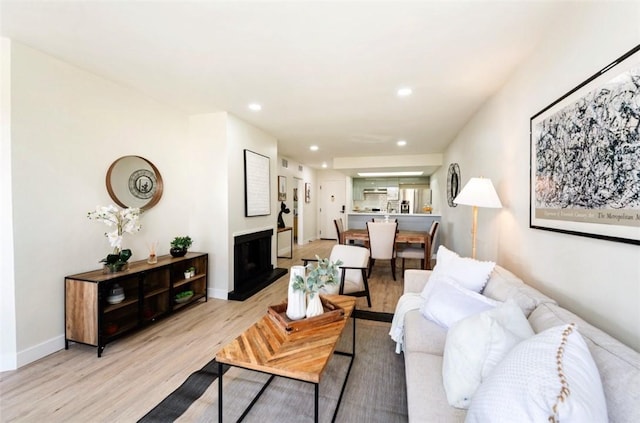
column 133, row 181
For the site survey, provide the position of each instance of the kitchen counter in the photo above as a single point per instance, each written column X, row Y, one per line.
column 406, row 221
column 381, row 213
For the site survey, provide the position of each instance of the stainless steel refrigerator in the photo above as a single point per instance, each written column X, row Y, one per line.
column 417, row 198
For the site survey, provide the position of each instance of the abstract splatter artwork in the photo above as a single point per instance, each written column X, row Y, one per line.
column 585, row 157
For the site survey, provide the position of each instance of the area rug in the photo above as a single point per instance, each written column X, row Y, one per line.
column 375, row 391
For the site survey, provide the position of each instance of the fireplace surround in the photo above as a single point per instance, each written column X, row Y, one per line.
column 252, row 268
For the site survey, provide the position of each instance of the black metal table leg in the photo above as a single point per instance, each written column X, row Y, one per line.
column 317, row 395
column 220, row 373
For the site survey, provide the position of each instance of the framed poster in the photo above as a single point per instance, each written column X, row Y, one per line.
column 257, row 192
column 307, row 192
column 585, row 157
column 282, row 188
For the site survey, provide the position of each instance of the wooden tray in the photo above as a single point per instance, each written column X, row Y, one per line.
column 331, row 313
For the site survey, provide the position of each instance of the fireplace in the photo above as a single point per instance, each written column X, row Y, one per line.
column 252, row 268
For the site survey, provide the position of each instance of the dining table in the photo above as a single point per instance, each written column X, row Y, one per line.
column 402, row 237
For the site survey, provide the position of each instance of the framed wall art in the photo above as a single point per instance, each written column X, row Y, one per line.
column 257, row 180
column 282, row 188
column 585, row 157
column 307, row 192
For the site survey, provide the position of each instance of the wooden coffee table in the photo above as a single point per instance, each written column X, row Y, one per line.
column 265, row 347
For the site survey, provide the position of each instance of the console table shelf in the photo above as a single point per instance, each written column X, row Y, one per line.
column 150, row 294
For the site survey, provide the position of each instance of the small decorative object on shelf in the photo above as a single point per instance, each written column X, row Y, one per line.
column 180, row 245
column 153, row 258
column 125, row 221
column 296, row 299
column 116, row 294
column 183, row 297
column 323, row 272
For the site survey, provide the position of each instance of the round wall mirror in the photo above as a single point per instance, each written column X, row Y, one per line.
column 133, row 181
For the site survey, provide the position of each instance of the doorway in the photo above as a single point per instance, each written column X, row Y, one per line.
column 332, row 205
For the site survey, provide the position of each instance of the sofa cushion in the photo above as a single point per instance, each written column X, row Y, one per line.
column 447, row 302
column 619, row 365
column 548, row 377
column 415, row 280
column 474, row 347
column 426, row 400
column 504, row 285
column 467, row 272
column 423, row 335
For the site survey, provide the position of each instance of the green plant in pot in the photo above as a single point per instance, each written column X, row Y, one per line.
column 322, row 273
column 180, row 245
column 118, row 261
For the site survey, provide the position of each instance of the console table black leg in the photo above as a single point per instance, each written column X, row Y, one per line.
column 220, row 373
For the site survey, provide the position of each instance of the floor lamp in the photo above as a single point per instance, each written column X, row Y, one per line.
column 478, row 192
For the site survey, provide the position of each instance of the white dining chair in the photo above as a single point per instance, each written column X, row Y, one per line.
column 382, row 241
column 353, row 271
column 417, row 251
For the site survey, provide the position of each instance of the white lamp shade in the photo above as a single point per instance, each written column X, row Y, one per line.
column 479, row 192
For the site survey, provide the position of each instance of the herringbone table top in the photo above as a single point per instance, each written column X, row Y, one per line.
column 301, row 355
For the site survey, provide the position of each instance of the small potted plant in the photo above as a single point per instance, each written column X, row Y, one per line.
column 180, row 245
column 321, row 274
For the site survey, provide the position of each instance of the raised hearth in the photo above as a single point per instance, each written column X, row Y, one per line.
column 253, row 270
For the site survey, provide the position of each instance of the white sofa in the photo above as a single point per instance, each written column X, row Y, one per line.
column 424, row 342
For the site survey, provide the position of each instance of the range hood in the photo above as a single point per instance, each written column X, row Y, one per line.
column 374, row 191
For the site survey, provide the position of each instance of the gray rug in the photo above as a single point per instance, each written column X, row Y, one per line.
column 375, row 391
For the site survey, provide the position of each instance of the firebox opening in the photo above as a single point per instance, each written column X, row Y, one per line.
column 253, row 270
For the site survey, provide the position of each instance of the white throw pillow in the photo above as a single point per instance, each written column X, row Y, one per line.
column 475, row 345
column 467, row 272
column 447, row 302
column 548, row 377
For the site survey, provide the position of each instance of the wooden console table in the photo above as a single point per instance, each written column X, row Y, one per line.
column 150, row 292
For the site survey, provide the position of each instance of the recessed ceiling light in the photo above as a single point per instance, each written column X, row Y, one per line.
column 401, row 143
column 313, row 148
column 376, row 174
column 405, row 91
column 324, row 165
column 255, row 107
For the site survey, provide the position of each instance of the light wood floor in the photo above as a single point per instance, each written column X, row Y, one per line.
column 136, row 372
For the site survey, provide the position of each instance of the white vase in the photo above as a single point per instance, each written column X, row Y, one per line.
column 296, row 304
column 314, row 307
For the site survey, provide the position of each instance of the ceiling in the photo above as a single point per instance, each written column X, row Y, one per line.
column 325, row 73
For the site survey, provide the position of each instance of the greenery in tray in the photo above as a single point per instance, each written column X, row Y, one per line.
column 322, row 273
column 183, row 242
column 184, row 294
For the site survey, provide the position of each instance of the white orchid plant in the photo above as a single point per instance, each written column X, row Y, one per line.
column 123, row 221
column 324, row 272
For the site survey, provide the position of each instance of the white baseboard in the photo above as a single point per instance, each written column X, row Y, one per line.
column 220, row 294
column 43, row 349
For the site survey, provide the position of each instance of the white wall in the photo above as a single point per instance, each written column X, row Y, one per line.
column 600, row 280
column 209, row 190
column 309, row 210
column 67, row 127
column 8, row 356
column 243, row 136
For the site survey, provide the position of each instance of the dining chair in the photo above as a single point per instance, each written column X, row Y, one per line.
column 382, row 241
column 417, row 251
column 339, row 229
column 353, row 271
